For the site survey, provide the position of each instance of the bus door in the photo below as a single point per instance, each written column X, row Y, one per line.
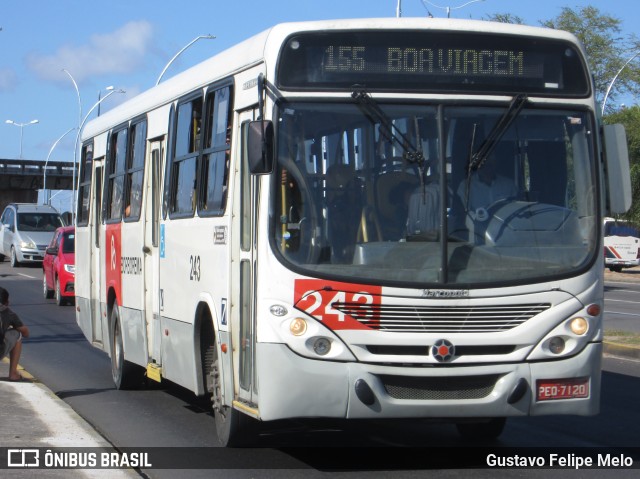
column 243, row 272
column 152, row 251
column 95, row 259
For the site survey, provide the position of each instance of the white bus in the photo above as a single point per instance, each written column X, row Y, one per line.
column 621, row 244
column 296, row 228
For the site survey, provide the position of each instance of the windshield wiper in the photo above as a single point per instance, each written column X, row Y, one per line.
column 375, row 115
column 478, row 157
column 392, row 133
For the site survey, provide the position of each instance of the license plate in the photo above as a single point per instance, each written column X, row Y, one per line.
column 552, row 389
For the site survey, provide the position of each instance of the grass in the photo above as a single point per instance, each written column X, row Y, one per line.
column 622, row 337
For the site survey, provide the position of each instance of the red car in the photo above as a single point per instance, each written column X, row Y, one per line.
column 59, row 267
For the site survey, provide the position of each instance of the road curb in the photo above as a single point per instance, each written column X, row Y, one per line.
column 622, row 350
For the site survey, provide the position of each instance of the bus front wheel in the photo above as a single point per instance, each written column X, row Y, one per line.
column 233, row 428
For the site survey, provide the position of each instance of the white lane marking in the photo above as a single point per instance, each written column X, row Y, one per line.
column 624, row 314
column 620, row 301
column 27, row 276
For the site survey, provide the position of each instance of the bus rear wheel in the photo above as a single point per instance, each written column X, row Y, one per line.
column 126, row 375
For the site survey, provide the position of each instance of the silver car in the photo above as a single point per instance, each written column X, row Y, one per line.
column 25, row 231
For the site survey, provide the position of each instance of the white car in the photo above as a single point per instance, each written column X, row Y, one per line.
column 25, row 231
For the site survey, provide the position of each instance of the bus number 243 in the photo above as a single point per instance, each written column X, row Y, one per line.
column 194, row 273
column 317, row 304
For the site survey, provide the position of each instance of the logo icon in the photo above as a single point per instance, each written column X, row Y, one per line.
column 113, row 253
column 23, row 458
column 443, row 350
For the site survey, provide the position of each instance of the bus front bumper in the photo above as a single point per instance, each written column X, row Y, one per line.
column 291, row 386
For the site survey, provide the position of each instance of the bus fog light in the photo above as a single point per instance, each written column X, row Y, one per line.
column 579, row 326
column 298, row 326
column 556, row 345
column 322, row 346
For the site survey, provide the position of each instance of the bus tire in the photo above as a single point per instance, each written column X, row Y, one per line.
column 125, row 374
column 482, row 430
column 233, row 428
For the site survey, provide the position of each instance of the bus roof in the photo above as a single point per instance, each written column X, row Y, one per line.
column 265, row 46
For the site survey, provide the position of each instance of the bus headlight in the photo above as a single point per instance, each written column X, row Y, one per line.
column 567, row 338
column 307, row 336
column 579, row 326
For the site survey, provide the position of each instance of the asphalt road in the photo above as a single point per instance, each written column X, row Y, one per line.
column 622, row 300
column 168, row 416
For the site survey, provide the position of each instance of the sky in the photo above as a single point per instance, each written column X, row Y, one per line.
column 127, row 44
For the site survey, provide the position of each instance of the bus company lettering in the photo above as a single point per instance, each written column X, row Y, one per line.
column 445, row 293
column 131, row 265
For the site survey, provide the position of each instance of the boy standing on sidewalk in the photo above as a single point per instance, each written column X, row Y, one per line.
column 12, row 330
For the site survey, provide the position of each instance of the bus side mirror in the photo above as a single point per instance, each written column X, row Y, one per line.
column 260, row 147
column 617, row 164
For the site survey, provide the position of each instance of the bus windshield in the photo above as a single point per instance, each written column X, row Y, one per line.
column 411, row 195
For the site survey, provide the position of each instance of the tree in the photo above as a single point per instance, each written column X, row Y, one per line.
column 607, row 48
column 630, row 118
column 505, row 18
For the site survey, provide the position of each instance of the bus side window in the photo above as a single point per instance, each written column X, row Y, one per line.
column 135, row 170
column 84, row 191
column 216, row 152
column 116, row 171
column 184, row 160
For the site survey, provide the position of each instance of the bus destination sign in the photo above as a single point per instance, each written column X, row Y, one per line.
column 432, row 61
column 427, row 60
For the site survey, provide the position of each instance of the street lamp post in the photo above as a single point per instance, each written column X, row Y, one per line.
column 109, row 88
column 46, row 192
column 606, row 95
column 75, row 148
column 208, row 37
column 448, row 9
column 75, row 85
column 21, row 125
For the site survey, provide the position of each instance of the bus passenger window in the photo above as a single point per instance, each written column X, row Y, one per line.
column 216, row 152
column 116, row 169
column 135, row 170
column 184, row 162
column 84, row 191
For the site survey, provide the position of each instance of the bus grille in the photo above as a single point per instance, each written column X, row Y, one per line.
column 439, row 389
column 441, row 319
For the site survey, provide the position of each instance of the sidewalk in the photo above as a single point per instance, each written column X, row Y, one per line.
column 32, row 416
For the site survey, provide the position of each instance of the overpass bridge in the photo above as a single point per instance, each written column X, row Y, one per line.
column 20, row 180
